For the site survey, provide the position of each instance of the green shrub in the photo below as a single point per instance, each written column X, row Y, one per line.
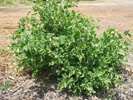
column 66, row 44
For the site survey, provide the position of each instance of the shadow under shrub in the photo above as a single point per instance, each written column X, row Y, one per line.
column 65, row 43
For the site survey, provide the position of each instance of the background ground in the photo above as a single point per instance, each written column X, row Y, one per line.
column 113, row 13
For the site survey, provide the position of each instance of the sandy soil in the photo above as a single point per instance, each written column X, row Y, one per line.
column 116, row 15
column 119, row 17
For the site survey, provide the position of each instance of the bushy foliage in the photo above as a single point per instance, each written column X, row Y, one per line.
column 66, row 44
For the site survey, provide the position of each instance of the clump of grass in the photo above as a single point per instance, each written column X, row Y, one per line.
column 25, row 2
column 5, row 86
column 6, row 2
column 15, row 2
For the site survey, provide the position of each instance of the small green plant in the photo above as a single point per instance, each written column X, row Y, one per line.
column 5, row 86
column 66, row 44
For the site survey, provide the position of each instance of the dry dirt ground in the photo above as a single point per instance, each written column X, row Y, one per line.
column 115, row 15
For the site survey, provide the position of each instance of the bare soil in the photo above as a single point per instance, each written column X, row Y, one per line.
column 119, row 16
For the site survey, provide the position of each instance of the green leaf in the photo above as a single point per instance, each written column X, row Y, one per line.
column 127, row 32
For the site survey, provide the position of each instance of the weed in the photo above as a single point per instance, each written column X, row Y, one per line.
column 66, row 44
column 5, row 86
